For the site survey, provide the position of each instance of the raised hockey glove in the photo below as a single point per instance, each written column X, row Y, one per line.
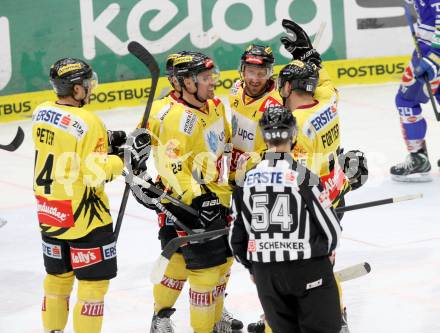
column 212, row 215
column 139, row 151
column 354, row 164
column 428, row 66
column 298, row 43
column 116, row 140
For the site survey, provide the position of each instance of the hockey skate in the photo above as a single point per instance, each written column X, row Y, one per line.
column 415, row 168
column 161, row 322
column 344, row 324
column 257, row 327
column 228, row 324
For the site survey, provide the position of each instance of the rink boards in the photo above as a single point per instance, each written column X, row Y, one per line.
column 134, row 93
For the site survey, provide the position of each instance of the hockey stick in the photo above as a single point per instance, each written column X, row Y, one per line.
column 18, row 140
column 148, row 60
column 2, row 222
column 379, row 202
column 353, row 272
column 420, row 56
column 161, row 263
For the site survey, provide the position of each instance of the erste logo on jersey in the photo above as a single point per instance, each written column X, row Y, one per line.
column 56, row 213
column 323, row 117
column 51, row 250
column 62, row 120
column 215, row 137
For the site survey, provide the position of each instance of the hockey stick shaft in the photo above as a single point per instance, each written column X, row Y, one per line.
column 148, row 60
column 353, row 272
column 161, row 263
column 379, row 202
column 16, row 142
column 419, row 55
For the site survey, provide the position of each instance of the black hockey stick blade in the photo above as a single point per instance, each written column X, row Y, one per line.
column 18, row 140
column 161, row 263
column 353, row 272
column 148, row 60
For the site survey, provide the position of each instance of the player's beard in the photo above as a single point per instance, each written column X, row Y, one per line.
column 255, row 90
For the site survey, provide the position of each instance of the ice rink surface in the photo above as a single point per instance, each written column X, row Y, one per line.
column 400, row 241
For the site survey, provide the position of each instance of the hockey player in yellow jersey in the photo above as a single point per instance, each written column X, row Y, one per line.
column 71, row 167
column 249, row 97
column 191, row 142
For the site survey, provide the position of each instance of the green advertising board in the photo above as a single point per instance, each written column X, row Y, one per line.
column 34, row 34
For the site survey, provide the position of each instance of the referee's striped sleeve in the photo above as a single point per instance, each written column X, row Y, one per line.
column 238, row 235
column 326, row 218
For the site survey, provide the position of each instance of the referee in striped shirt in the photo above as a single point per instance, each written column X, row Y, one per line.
column 284, row 229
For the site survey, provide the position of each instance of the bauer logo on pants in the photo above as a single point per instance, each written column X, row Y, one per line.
column 85, row 257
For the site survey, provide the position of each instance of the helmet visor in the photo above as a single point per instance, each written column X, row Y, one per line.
column 92, row 82
column 211, row 76
column 257, row 72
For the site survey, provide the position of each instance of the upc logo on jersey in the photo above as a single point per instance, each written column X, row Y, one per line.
column 85, row 257
column 243, row 132
column 56, row 213
column 324, row 117
column 214, row 136
column 52, row 250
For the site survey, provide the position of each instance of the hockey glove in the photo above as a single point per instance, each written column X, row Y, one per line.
column 139, row 151
column 428, row 66
column 145, row 196
column 116, row 140
column 355, row 167
column 298, row 43
column 212, row 215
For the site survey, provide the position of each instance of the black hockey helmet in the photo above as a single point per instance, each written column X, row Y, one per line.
column 301, row 75
column 278, row 125
column 191, row 64
column 258, row 56
column 67, row 72
column 169, row 65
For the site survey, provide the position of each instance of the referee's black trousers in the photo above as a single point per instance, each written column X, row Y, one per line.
column 299, row 296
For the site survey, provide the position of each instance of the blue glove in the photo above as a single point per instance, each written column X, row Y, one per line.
column 427, row 66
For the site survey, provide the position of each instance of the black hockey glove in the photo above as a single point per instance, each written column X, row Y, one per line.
column 145, row 196
column 298, row 43
column 116, row 140
column 354, row 164
column 139, row 148
column 212, row 215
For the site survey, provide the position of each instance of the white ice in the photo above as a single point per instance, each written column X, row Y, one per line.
column 400, row 241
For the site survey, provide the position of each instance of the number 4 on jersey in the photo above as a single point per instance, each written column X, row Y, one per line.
column 44, row 178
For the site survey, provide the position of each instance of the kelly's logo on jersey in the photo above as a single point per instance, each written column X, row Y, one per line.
column 85, row 257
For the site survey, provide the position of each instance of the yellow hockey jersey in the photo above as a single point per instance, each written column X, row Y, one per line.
column 71, row 167
column 191, row 149
column 247, row 141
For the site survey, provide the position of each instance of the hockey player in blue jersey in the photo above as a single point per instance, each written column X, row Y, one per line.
column 413, row 92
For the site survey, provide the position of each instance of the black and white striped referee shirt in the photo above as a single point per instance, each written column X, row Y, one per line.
column 280, row 213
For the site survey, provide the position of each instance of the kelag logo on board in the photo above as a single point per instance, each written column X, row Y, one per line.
column 99, row 31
